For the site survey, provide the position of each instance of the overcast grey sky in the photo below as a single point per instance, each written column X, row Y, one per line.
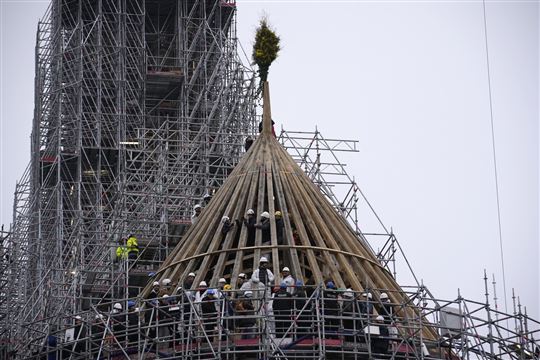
column 408, row 79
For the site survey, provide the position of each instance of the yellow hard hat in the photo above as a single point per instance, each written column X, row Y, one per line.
column 277, row 213
column 227, row 287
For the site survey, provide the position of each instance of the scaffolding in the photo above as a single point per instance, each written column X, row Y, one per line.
column 141, row 109
column 314, row 323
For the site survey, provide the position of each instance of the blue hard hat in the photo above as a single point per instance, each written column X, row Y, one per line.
column 330, row 285
column 299, row 283
column 150, row 274
column 210, row 292
column 283, row 285
column 131, row 303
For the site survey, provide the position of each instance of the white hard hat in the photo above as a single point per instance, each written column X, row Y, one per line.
column 165, row 296
column 286, row 269
column 203, row 283
column 265, row 214
column 263, row 259
column 165, row 282
column 222, row 280
column 368, row 295
column 248, row 293
column 348, row 293
column 198, row 206
column 156, row 283
column 384, row 296
column 379, row 318
column 178, row 288
column 250, row 212
column 117, row 306
column 191, row 274
column 242, row 275
column 78, row 317
column 99, row 316
column 225, row 218
column 137, row 309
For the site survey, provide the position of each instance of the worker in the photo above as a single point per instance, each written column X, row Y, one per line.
column 287, row 278
column 118, row 320
column 188, row 282
column 166, row 285
column 365, row 305
column 249, row 222
column 279, row 227
column 220, row 286
column 227, row 225
column 348, row 314
column 303, row 311
column 262, row 276
column 132, row 247
column 196, row 212
column 248, row 143
column 386, row 309
column 261, row 127
column 330, row 310
column 379, row 343
column 243, row 284
column 209, row 310
column 264, row 225
column 206, row 198
column 201, row 291
column 282, row 305
column 121, row 251
column 133, row 323
column 246, row 311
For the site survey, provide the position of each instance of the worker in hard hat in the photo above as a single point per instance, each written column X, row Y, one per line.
column 188, row 281
column 385, row 308
column 262, row 276
column 282, row 305
column 263, row 279
column 197, row 209
column 227, row 225
column 206, row 198
column 349, row 315
column 331, row 311
column 201, row 291
column 133, row 323
column 243, row 284
column 209, row 309
column 166, row 287
column 245, row 309
column 264, row 225
column 121, row 251
column 379, row 343
column 132, row 247
column 287, row 278
column 118, row 319
column 365, row 304
column 304, row 310
column 250, row 222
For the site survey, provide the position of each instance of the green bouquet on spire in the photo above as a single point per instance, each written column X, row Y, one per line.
column 265, row 49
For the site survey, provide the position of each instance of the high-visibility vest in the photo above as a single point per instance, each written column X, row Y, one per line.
column 121, row 252
column 132, row 245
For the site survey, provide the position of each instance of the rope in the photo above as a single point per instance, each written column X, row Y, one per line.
column 494, row 157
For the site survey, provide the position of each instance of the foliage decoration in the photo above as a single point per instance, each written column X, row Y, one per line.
column 265, row 49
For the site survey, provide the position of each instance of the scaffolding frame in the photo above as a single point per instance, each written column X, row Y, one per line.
column 315, row 325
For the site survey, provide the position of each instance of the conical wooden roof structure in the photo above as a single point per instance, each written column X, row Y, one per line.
column 323, row 248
